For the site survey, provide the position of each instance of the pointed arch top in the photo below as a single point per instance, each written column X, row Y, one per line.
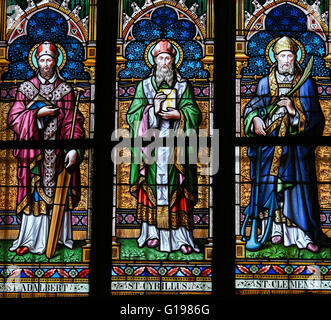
column 256, row 22
column 76, row 26
column 148, row 9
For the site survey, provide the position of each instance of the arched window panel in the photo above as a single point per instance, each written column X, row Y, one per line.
column 283, row 152
column 156, row 206
column 65, row 25
column 47, row 85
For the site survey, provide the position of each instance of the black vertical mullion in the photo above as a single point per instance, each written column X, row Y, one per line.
column 224, row 188
column 102, row 166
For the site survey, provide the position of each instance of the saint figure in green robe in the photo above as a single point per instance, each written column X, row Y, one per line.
column 166, row 191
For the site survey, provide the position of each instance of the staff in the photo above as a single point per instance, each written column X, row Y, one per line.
column 253, row 243
column 61, row 193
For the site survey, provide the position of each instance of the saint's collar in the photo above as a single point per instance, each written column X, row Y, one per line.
column 284, row 78
column 51, row 80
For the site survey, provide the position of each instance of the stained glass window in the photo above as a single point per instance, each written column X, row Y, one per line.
column 47, row 55
column 162, row 214
column 282, row 155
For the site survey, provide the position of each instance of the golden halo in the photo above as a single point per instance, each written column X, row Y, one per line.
column 271, row 59
column 61, row 61
column 149, row 59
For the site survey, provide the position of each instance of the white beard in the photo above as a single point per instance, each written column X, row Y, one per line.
column 286, row 70
column 166, row 75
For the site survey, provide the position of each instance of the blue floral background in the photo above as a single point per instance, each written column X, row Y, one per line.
column 290, row 21
column 46, row 25
column 164, row 23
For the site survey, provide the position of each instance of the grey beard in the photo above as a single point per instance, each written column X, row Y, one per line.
column 167, row 76
column 286, row 70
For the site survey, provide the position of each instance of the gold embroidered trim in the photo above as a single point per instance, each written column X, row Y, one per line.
column 181, row 219
column 27, row 198
column 42, row 194
column 273, row 126
column 285, row 85
column 274, row 170
column 35, row 160
column 150, row 193
column 142, row 183
column 162, row 217
column 284, row 124
column 174, row 197
column 180, row 191
column 273, row 85
column 278, row 217
column 189, row 195
column 40, row 207
column 177, row 150
column 37, row 207
column 176, row 219
column 22, row 205
column 72, row 202
column 146, row 214
column 181, row 125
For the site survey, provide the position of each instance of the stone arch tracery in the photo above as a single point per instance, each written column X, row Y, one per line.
column 183, row 14
column 250, row 24
column 16, row 23
column 316, row 21
column 79, row 29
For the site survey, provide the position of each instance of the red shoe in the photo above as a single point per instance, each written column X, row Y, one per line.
column 186, row 249
column 276, row 239
column 313, row 247
column 152, row 243
column 22, row 251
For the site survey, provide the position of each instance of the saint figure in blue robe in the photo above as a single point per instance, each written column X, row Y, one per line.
column 287, row 173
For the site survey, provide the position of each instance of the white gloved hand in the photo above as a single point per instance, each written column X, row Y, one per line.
column 70, row 158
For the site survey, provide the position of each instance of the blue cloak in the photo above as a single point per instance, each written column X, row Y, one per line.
column 295, row 183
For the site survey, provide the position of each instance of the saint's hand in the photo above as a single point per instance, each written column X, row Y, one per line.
column 159, row 98
column 286, row 102
column 70, row 158
column 259, row 126
column 47, row 111
column 170, row 114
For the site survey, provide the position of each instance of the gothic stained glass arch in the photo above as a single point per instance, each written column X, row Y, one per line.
column 144, row 265
column 276, row 251
column 46, row 25
column 47, row 57
column 161, row 23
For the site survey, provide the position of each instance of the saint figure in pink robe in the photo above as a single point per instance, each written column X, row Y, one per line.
column 44, row 110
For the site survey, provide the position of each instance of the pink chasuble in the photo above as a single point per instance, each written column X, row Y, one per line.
column 24, row 123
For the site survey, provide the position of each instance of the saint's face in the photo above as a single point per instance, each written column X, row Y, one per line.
column 46, row 65
column 285, row 61
column 164, row 60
